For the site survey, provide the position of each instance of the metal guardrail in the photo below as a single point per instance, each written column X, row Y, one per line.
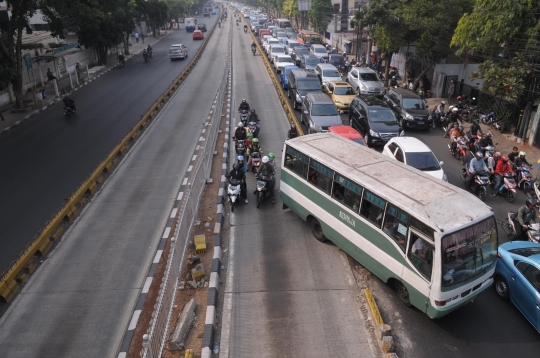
column 156, row 336
column 289, row 111
column 22, row 266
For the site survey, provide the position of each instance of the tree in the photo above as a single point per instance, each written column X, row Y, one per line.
column 504, row 34
column 320, row 14
column 290, row 9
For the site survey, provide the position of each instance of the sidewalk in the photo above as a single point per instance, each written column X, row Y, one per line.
column 502, row 141
column 12, row 120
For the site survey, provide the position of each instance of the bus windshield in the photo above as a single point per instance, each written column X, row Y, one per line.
column 469, row 252
column 313, row 39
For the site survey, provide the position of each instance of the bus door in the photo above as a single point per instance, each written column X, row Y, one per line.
column 417, row 280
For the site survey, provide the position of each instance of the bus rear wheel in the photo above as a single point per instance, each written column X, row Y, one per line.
column 402, row 293
column 317, row 230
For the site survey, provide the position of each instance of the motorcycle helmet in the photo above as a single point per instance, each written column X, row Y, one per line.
column 243, row 100
column 249, row 135
column 489, row 134
column 443, row 103
column 522, row 154
column 256, row 140
column 393, row 77
column 531, row 201
column 504, row 158
column 240, row 124
column 454, row 110
column 240, row 158
column 459, row 98
column 479, row 154
column 293, row 126
column 252, row 111
column 496, row 155
column 235, row 166
column 265, row 159
column 271, row 155
column 475, row 121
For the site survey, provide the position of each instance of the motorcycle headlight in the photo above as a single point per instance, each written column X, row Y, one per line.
column 373, row 134
column 409, row 117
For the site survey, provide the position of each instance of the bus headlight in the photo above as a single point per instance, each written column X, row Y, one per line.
column 374, row 134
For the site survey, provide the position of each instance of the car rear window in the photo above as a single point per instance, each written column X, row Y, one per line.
column 324, row 110
column 320, row 50
column 526, row 251
column 331, row 73
column 368, row 77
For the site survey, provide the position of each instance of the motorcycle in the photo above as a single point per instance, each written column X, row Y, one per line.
column 255, row 161
column 488, row 152
column 121, row 63
column 460, row 151
column 252, row 127
column 233, row 192
column 508, row 187
column 253, row 49
column 244, row 116
column 524, row 179
column 240, row 146
column 442, row 122
column 500, row 125
column 263, row 189
column 145, row 56
column 532, row 233
column 479, row 184
column 469, row 114
column 489, row 118
column 68, row 111
column 245, row 29
column 471, row 140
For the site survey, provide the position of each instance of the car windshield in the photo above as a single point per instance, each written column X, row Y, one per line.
column 281, row 34
column 359, row 141
column 331, row 73
column 338, row 59
column 285, row 59
column 300, row 52
column 381, row 115
column 469, row 252
column 273, row 42
column 424, row 161
column 288, row 71
column 277, row 50
column 368, row 77
column 413, row 103
column 309, row 85
column 313, row 61
column 320, row 50
column 323, row 110
column 344, row 91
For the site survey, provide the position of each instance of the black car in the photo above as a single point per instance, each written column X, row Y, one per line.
column 338, row 61
column 201, row 27
column 302, row 82
column 409, row 108
column 297, row 54
column 374, row 120
column 206, row 14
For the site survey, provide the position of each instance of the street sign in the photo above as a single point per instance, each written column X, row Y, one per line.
column 66, row 47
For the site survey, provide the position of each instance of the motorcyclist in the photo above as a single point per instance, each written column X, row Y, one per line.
column 243, row 105
column 521, row 161
column 145, row 54
column 245, row 28
column 393, row 82
column 437, row 113
column 272, row 161
column 238, row 173
column 453, row 118
column 501, row 168
column 254, row 147
column 512, row 156
column 68, row 102
column 486, row 141
column 149, row 50
column 456, row 132
column 292, row 133
column 253, row 117
column 240, row 132
column 475, row 128
column 492, row 162
column 219, row 23
column 249, row 139
column 253, row 46
column 241, row 163
column 266, row 169
column 525, row 215
column 121, row 58
column 477, row 165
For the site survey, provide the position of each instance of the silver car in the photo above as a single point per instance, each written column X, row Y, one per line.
column 364, row 80
column 178, row 51
column 319, row 113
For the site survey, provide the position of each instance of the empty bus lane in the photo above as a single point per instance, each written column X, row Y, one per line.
column 49, row 157
column 284, row 290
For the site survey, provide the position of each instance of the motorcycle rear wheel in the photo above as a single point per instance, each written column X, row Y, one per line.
column 482, row 194
column 510, row 196
column 259, row 199
column 233, row 204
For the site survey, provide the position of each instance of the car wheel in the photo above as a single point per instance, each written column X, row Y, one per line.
column 316, row 230
column 501, row 288
column 403, row 293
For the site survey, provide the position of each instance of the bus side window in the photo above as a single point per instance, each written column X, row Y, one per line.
column 320, row 176
column 296, row 164
column 373, row 208
column 396, row 225
column 350, row 193
column 421, row 255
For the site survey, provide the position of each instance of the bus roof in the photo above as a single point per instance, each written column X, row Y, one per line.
column 438, row 204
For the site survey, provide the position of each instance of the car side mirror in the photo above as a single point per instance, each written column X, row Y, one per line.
column 441, row 163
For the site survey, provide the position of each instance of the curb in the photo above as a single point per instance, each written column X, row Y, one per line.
column 383, row 332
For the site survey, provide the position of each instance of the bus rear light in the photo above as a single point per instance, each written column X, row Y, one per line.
column 440, row 303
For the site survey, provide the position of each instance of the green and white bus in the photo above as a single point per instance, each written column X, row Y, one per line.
column 433, row 242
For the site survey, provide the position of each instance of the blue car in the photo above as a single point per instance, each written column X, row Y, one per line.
column 517, row 277
column 284, row 75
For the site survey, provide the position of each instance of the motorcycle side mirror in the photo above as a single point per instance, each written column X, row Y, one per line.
column 441, row 163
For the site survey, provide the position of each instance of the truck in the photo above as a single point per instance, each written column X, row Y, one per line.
column 190, row 24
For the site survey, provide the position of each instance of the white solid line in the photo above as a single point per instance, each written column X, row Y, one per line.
column 147, row 284
column 185, row 181
column 197, row 147
column 158, row 256
column 166, row 233
column 173, row 213
column 122, row 355
column 227, row 300
column 180, row 195
column 190, row 168
column 134, row 320
column 194, row 157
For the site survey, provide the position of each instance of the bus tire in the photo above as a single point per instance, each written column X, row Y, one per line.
column 316, row 229
column 402, row 293
column 501, row 288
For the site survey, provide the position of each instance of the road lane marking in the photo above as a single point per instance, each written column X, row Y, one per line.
column 158, row 256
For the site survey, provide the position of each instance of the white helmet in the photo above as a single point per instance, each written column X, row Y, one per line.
column 240, row 124
column 454, row 110
column 265, row 159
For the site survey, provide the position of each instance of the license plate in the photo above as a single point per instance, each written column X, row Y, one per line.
column 421, row 122
column 469, row 300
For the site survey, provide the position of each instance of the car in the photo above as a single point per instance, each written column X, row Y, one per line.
column 274, row 51
column 280, row 61
column 319, row 113
column 281, row 35
column 178, row 51
column 319, row 51
column 202, row 27
column 302, row 82
column 214, row 12
column 410, row 108
column 365, row 80
column 374, row 120
column 269, row 42
column 414, row 152
column 349, row 133
column 327, row 73
column 297, row 53
column 206, row 14
column 284, row 76
column 309, row 62
column 338, row 61
column 517, row 277
column 341, row 93
column 290, row 45
column 197, row 35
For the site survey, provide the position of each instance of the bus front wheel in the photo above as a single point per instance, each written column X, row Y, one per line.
column 403, row 293
column 317, row 230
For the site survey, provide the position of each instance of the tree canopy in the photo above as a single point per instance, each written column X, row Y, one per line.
column 320, row 14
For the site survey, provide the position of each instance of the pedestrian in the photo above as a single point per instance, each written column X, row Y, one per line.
column 136, row 37
column 142, row 37
column 451, row 90
column 50, row 75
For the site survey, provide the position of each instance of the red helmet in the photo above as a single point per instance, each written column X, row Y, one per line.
column 459, row 98
column 504, row 158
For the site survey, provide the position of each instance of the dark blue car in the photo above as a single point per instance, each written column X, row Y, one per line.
column 284, row 75
column 517, row 277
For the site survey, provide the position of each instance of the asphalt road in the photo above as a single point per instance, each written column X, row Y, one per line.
column 488, row 327
column 286, row 293
column 47, row 158
column 80, row 300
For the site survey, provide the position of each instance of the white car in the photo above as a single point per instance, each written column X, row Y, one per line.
column 269, row 43
column 413, row 152
column 327, row 72
column 281, row 61
column 319, row 51
column 274, row 51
